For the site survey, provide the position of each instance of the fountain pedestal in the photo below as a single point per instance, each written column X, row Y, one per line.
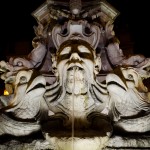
column 82, row 140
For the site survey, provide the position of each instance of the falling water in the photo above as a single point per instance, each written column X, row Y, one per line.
column 73, row 89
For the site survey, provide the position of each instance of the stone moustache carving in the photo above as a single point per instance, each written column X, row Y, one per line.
column 56, row 88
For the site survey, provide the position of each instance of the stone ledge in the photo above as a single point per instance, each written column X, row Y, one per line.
column 115, row 143
column 132, row 142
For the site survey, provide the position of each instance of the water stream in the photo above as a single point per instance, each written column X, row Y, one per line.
column 73, row 97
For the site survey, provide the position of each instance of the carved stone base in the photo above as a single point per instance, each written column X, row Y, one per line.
column 129, row 142
column 35, row 143
column 78, row 143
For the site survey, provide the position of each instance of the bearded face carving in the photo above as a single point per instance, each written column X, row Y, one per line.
column 82, row 107
column 76, row 66
column 80, row 98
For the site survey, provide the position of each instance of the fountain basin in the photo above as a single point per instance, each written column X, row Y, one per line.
column 79, row 141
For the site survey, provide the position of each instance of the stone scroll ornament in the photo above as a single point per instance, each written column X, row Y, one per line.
column 58, row 88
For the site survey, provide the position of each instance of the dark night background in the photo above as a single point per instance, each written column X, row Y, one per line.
column 16, row 26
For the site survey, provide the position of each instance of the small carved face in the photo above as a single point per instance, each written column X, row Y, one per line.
column 79, row 30
column 75, row 63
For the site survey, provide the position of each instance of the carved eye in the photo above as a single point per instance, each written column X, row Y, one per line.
column 87, row 30
column 20, row 63
column 64, row 30
column 147, row 68
column 83, row 49
column 130, row 76
column 66, row 50
column 23, row 79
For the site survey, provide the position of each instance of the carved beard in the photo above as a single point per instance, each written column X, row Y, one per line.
column 76, row 81
column 76, row 78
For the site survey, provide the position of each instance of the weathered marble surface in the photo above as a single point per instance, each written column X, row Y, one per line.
column 58, row 89
column 116, row 142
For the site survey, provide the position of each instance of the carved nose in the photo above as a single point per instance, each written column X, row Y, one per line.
column 75, row 56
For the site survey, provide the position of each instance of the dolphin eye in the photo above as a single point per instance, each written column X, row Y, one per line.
column 130, row 76
column 23, row 79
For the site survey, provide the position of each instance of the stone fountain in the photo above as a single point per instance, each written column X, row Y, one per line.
column 76, row 87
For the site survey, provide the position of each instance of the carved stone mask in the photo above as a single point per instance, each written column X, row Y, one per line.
column 76, row 30
column 76, row 63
